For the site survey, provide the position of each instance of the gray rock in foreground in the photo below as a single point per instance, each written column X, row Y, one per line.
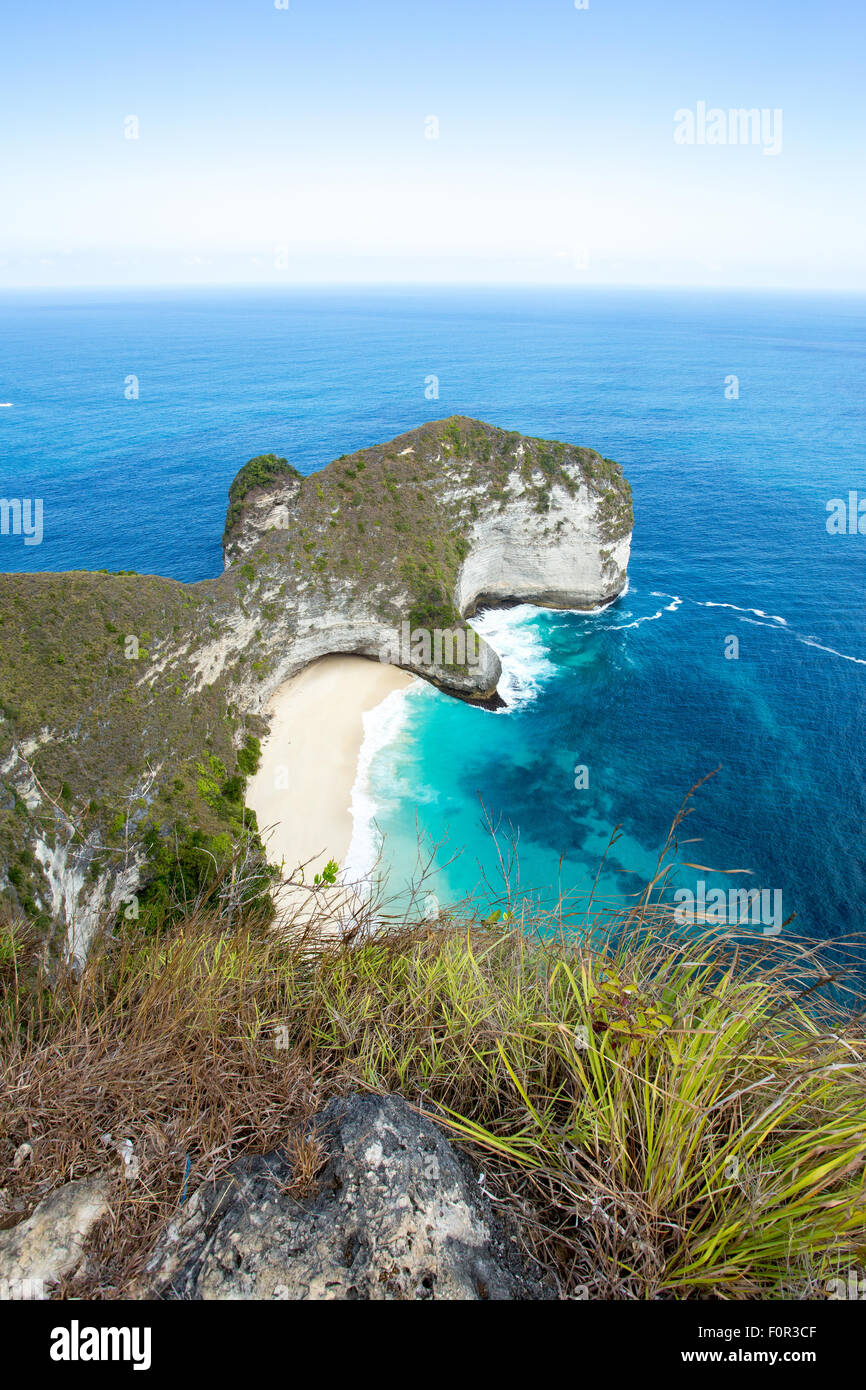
column 396, row 1213
column 49, row 1245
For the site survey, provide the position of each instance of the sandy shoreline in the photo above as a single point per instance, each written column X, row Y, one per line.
column 302, row 791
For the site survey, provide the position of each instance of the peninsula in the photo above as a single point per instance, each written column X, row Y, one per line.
column 132, row 707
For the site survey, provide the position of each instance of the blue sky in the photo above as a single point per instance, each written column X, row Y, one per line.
column 282, row 146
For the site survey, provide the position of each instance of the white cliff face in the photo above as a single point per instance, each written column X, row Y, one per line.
column 20, row 774
column 83, row 905
column 558, row 559
column 312, row 627
column 370, row 637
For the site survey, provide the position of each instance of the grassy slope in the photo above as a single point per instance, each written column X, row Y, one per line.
column 101, row 726
column 687, row 1101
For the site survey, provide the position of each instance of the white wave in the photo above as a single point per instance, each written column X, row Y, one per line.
column 647, row 618
column 514, row 636
column 676, row 601
column 811, row 642
column 382, row 726
column 769, row 619
column 758, row 612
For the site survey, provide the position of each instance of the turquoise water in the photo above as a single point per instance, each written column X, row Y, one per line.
column 730, row 540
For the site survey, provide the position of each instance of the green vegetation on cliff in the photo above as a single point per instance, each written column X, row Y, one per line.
column 127, row 701
column 261, row 472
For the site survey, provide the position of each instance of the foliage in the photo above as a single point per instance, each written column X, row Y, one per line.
column 328, row 876
column 260, row 472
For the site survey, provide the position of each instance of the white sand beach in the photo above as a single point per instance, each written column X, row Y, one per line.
column 302, row 791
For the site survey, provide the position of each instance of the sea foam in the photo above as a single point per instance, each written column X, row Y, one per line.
column 382, row 726
column 514, row 636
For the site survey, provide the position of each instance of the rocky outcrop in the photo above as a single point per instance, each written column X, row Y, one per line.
column 263, row 494
column 49, row 1246
column 395, row 1213
column 558, row 559
column 127, row 701
column 411, row 537
column 77, row 890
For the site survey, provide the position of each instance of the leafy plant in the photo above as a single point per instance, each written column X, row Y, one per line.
column 328, row 876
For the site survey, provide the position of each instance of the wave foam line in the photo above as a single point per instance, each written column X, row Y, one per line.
column 769, row 620
column 382, row 725
column 676, row 601
column 647, row 618
column 709, row 603
column 811, row 642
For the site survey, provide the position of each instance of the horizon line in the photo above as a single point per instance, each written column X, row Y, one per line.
column 558, row 285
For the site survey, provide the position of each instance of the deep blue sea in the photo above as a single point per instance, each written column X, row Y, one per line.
column 730, row 541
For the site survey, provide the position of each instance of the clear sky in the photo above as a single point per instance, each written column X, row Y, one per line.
column 290, row 145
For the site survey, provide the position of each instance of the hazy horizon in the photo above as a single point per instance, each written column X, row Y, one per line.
column 212, row 143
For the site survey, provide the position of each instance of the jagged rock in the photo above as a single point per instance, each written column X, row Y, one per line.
column 49, row 1244
column 396, row 1213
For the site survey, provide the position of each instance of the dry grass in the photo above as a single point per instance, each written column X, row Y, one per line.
column 669, row 1114
column 171, row 1044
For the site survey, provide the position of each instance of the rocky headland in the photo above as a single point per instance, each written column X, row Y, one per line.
column 131, row 705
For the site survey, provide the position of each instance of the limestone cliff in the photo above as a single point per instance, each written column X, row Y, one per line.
column 416, row 534
column 130, row 705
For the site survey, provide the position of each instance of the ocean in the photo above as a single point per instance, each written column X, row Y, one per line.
column 740, row 644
